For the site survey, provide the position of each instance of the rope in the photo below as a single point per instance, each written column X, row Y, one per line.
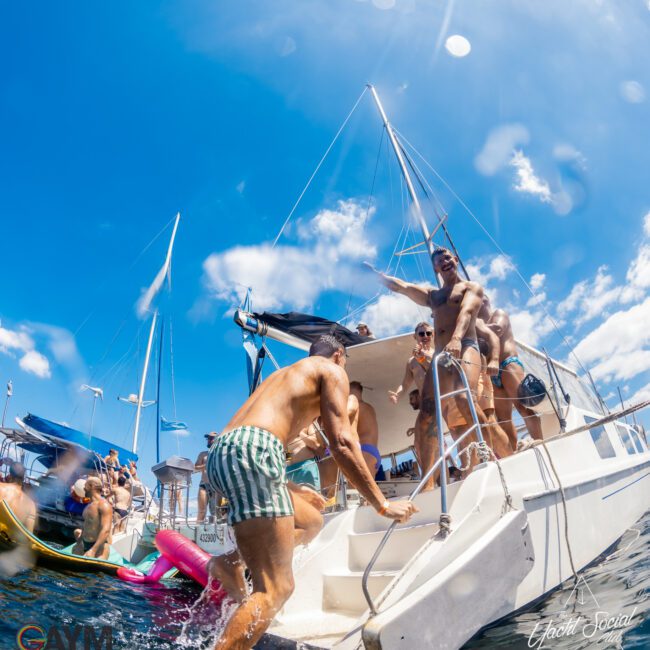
column 566, row 518
column 485, row 454
column 322, row 160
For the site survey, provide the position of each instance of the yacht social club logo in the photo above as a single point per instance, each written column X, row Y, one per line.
column 65, row 637
column 599, row 626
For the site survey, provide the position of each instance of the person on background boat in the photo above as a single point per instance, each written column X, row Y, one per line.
column 509, row 376
column 12, row 492
column 454, row 308
column 302, row 458
column 121, row 504
column 364, row 330
column 112, row 460
column 247, row 464
column 93, row 540
column 368, row 432
column 206, row 494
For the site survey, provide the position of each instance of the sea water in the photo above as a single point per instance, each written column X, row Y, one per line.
column 609, row 609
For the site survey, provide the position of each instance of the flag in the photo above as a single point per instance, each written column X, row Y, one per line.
column 173, row 426
column 144, row 303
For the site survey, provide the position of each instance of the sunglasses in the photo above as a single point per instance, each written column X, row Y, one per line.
column 423, row 334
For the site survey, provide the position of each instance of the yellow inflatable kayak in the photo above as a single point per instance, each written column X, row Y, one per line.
column 13, row 533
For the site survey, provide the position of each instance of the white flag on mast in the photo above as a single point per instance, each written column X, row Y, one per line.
column 144, row 303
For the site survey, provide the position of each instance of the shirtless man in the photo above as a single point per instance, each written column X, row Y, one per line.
column 122, row 503
column 455, row 308
column 247, row 464
column 368, row 432
column 510, row 375
column 205, row 493
column 12, row 492
column 93, row 539
column 328, row 468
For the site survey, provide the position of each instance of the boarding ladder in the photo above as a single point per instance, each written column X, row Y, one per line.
column 445, row 359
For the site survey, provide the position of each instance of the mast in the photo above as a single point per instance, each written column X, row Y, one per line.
column 160, row 352
column 417, row 208
column 143, row 382
column 143, row 307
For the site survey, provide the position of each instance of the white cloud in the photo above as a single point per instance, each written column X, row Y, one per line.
column 529, row 326
column 632, row 92
column 241, row 186
column 641, row 395
column 20, row 342
column 333, row 242
column 617, row 343
column 537, row 281
column 499, row 146
column 589, row 299
column 288, row 47
column 485, row 269
column 384, row 4
column 646, row 224
column 527, row 181
column 36, row 364
column 392, row 314
column 638, row 276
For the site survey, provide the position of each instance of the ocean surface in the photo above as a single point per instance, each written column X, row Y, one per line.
column 610, row 609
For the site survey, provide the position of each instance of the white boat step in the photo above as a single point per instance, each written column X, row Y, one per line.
column 318, row 628
column 400, row 548
column 342, row 591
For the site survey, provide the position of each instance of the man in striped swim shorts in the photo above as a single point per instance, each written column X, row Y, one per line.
column 247, row 465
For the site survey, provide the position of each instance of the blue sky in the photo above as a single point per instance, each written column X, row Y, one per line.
column 116, row 117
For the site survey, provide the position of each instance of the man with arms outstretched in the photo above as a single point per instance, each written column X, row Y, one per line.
column 454, row 307
column 247, row 464
column 510, row 375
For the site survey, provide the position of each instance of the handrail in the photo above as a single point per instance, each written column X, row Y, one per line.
column 441, row 460
column 415, row 492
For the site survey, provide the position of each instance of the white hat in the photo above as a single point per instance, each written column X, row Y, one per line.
column 79, row 487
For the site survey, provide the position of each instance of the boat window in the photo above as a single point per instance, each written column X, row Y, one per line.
column 637, row 440
column 624, row 435
column 601, row 439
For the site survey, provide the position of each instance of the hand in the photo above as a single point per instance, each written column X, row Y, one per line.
column 401, row 511
column 454, row 347
column 393, row 396
column 89, row 553
column 312, row 497
column 493, row 368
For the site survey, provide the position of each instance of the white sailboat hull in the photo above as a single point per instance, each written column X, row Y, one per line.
column 436, row 591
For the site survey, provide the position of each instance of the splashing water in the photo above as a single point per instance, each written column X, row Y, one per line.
column 176, row 615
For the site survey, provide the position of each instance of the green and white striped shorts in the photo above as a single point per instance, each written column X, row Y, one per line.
column 248, row 466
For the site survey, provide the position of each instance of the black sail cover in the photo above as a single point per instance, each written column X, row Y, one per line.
column 309, row 328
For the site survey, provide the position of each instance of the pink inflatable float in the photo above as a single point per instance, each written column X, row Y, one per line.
column 175, row 551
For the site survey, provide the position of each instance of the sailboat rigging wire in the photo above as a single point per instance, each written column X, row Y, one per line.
column 322, row 160
column 494, row 242
column 420, row 178
column 171, row 365
column 109, row 279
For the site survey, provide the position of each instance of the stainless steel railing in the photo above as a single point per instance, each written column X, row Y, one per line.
column 441, row 459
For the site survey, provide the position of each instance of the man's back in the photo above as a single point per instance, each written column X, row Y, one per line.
column 367, row 427
column 289, row 399
column 21, row 505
